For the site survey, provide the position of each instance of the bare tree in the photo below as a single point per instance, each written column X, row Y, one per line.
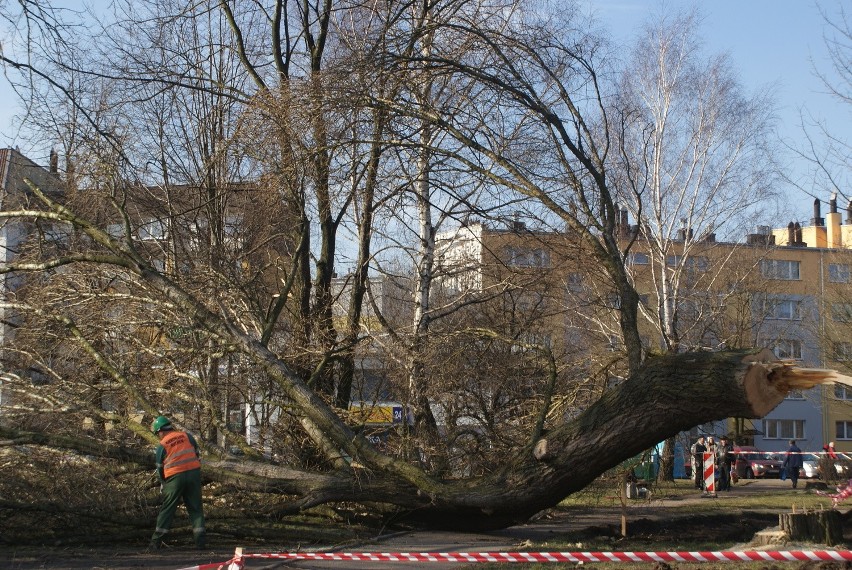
column 697, row 163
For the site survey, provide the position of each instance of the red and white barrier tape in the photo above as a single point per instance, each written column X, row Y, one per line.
column 782, row 452
column 543, row 557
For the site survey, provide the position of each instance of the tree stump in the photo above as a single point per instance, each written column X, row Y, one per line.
column 822, row 527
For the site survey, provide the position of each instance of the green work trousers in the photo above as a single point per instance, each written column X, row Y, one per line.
column 184, row 487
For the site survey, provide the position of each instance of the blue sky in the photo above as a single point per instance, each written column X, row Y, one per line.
column 772, row 43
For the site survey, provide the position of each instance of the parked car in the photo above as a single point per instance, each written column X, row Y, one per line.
column 810, row 466
column 843, row 466
column 752, row 462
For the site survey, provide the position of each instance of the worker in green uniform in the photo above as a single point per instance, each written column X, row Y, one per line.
column 179, row 468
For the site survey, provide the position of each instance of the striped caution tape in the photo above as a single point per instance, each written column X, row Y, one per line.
column 543, row 557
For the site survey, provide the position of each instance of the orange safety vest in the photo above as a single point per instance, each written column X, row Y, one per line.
column 180, row 454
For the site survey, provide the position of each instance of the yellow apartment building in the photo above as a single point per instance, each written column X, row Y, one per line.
column 824, row 248
column 785, row 288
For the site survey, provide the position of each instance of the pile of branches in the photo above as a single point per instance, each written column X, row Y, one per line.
column 56, row 498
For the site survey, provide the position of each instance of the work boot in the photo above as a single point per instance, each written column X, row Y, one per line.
column 200, row 541
column 154, row 545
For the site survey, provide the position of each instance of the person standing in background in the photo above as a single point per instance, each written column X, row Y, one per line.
column 827, row 470
column 793, row 462
column 697, row 450
column 724, row 459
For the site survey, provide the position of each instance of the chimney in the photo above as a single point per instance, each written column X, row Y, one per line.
column 760, row 238
column 817, row 220
column 833, row 237
column 849, row 212
column 54, row 161
column 791, row 234
column 517, row 224
column 623, row 223
column 799, row 234
column 69, row 168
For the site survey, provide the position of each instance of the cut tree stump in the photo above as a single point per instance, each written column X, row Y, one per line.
column 821, row 527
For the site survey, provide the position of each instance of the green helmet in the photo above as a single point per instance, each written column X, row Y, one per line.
column 160, row 423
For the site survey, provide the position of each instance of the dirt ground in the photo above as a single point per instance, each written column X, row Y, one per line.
column 649, row 525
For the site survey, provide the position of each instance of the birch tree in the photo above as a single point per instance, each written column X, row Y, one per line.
column 696, row 166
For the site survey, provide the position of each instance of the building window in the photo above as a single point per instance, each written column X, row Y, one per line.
column 780, row 269
column 638, row 258
column 694, row 263
column 527, row 257
column 795, row 395
column 841, row 312
column 784, row 429
column 843, row 430
column 574, row 280
column 842, row 392
column 115, row 230
column 838, row 273
column 612, row 300
column 783, row 309
column 788, row 348
column 531, row 341
column 529, row 301
column 153, row 230
column 233, row 224
column 614, row 343
column 58, row 233
column 842, row 351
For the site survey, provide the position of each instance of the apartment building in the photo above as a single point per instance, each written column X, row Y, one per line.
column 817, row 265
column 777, row 288
column 202, row 237
column 15, row 193
column 15, row 170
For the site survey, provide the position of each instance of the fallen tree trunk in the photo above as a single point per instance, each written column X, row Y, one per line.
column 666, row 396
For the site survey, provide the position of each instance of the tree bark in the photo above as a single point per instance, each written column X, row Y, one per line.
column 821, row 527
column 667, row 459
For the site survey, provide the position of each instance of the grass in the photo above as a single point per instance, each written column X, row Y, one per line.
column 689, row 523
column 603, row 494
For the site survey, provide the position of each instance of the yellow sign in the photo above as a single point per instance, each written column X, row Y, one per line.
column 386, row 414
